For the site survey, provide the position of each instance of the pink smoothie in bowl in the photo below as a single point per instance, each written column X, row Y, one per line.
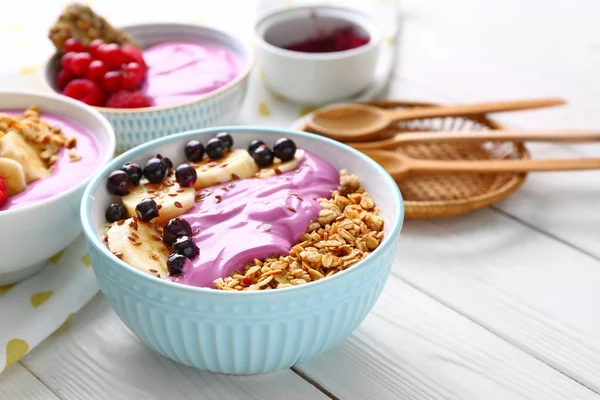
column 165, row 74
column 182, row 71
column 66, row 173
column 239, row 219
column 255, row 218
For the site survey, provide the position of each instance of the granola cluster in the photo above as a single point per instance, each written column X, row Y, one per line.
column 79, row 21
column 347, row 229
column 46, row 139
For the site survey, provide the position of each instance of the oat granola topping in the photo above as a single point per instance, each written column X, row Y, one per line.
column 80, row 22
column 46, row 139
column 347, row 230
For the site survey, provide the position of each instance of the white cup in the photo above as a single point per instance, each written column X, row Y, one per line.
column 315, row 78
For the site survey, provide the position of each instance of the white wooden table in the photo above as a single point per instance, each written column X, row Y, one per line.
column 502, row 303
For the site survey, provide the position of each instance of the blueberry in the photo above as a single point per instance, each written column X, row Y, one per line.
column 155, row 170
column 254, row 145
column 175, row 264
column 134, row 171
column 226, row 139
column 215, row 149
column 115, row 212
column 146, row 210
column 168, row 163
column 284, row 149
column 186, row 247
column 194, row 151
column 186, row 175
column 118, row 183
column 176, row 228
column 263, row 156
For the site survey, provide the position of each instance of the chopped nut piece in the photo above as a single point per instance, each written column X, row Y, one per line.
column 73, row 156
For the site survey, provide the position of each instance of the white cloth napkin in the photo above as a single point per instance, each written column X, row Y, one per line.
column 34, row 308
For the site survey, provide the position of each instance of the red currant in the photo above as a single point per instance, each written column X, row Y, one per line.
column 93, row 47
column 133, row 76
column 133, row 54
column 73, row 45
column 63, row 78
column 112, row 81
column 79, row 63
column 96, row 71
column 66, row 60
column 86, row 91
column 111, row 55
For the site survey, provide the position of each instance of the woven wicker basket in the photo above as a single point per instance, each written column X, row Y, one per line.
column 446, row 195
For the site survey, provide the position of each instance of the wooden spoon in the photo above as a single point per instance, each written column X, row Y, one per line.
column 564, row 136
column 399, row 166
column 361, row 122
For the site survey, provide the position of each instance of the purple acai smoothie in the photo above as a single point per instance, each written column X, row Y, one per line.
column 254, row 218
column 66, row 173
column 179, row 72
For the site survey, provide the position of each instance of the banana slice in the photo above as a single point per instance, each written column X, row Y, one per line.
column 13, row 175
column 172, row 199
column 279, row 167
column 236, row 165
column 15, row 147
column 142, row 248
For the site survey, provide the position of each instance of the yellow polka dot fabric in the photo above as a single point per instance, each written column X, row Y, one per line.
column 263, row 109
column 33, row 309
column 15, row 349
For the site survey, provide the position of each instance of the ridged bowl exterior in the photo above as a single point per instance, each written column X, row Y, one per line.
column 248, row 332
column 230, row 336
column 135, row 128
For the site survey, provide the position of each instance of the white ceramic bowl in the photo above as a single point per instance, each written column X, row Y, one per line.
column 31, row 234
column 315, row 78
column 134, row 126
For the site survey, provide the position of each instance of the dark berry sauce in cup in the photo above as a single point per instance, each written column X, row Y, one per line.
column 340, row 39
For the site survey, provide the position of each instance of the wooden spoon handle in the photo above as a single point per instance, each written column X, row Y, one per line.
column 482, row 166
column 430, row 112
column 565, row 136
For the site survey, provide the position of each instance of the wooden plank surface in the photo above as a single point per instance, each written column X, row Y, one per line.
column 96, row 357
column 528, row 289
column 412, row 347
column 531, row 290
column 17, row 383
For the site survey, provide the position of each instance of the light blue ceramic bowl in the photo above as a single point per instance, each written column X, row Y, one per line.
column 244, row 332
column 219, row 107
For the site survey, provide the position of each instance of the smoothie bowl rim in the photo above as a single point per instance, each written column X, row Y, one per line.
column 106, row 153
column 242, row 74
column 93, row 239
